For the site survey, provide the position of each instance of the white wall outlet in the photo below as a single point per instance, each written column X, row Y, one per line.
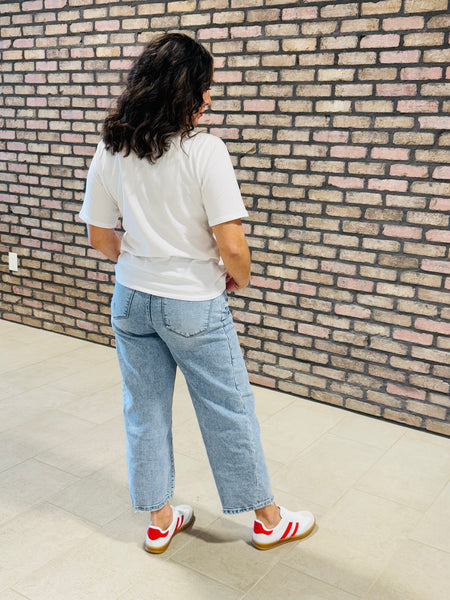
column 12, row 257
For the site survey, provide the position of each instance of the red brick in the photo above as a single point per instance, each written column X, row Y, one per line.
column 417, row 106
column 259, row 105
column 380, row 41
column 441, row 173
column 314, row 330
column 408, row 392
column 400, row 56
column 393, row 185
column 433, row 326
column 300, row 288
column 396, row 89
column 355, row 284
column 263, row 282
column 434, row 122
column 438, row 235
column 346, row 182
column 55, row 3
column 390, row 153
column 401, row 231
column 440, row 204
column 413, row 337
column 436, row 266
column 303, row 12
column 408, row 171
column 420, row 73
column 113, row 25
column 245, row 32
column 396, row 23
column 214, row 33
column 33, row 5
column 352, row 311
column 50, row 65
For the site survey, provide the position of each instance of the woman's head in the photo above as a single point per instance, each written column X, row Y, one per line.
column 166, row 92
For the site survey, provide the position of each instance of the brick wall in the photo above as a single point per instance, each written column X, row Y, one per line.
column 336, row 115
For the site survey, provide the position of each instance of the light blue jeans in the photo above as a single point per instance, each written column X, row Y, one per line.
column 154, row 335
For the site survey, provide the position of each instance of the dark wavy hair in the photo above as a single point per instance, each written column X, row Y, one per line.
column 164, row 91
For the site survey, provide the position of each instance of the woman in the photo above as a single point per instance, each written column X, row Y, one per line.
column 183, row 247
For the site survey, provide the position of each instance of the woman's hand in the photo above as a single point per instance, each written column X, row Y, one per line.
column 234, row 252
column 231, row 285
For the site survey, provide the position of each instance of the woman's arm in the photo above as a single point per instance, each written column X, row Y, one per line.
column 234, row 251
column 107, row 241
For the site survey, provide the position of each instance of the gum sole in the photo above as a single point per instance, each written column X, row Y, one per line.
column 164, row 548
column 285, row 541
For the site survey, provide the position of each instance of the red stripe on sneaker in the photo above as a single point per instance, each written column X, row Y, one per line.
column 287, row 531
column 177, row 525
column 155, row 534
column 182, row 520
column 259, row 528
column 295, row 530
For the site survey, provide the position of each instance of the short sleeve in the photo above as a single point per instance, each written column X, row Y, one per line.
column 99, row 206
column 221, row 196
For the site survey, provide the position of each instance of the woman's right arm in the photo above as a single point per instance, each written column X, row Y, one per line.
column 234, row 251
column 107, row 241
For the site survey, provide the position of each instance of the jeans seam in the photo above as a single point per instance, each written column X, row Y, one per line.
column 224, row 328
column 262, row 504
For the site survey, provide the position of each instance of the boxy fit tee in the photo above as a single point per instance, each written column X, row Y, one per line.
column 167, row 210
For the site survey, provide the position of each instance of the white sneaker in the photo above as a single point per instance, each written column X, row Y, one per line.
column 157, row 541
column 293, row 526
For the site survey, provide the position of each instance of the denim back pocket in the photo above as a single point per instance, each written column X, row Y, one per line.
column 186, row 317
column 121, row 301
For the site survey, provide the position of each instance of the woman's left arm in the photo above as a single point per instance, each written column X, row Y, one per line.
column 107, row 241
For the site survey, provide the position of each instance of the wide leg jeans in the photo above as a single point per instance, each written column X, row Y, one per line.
column 154, row 335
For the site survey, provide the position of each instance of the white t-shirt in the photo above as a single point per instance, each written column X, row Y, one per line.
column 167, row 210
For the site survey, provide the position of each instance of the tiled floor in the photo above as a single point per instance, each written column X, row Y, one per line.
column 380, row 491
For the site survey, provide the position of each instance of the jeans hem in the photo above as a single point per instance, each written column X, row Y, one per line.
column 151, row 508
column 236, row 511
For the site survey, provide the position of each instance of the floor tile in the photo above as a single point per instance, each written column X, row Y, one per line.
column 89, row 451
column 172, row 580
column 98, row 498
column 285, row 583
column 11, row 595
column 93, row 353
column 353, row 541
column 98, row 407
column 270, row 402
column 33, row 538
column 293, row 429
column 413, row 472
column 91, row 380
column 17, row 410
column 366, row 430
column 415, row 572
column 28, row 484
column 13, row 452
column 224, row 553
column 23, row 379
column 50, row 429
column 379, row 491
column 324, row 472
column 434, row 527
column 100, row 568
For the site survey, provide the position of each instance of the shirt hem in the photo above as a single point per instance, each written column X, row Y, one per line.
column 168, row 294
